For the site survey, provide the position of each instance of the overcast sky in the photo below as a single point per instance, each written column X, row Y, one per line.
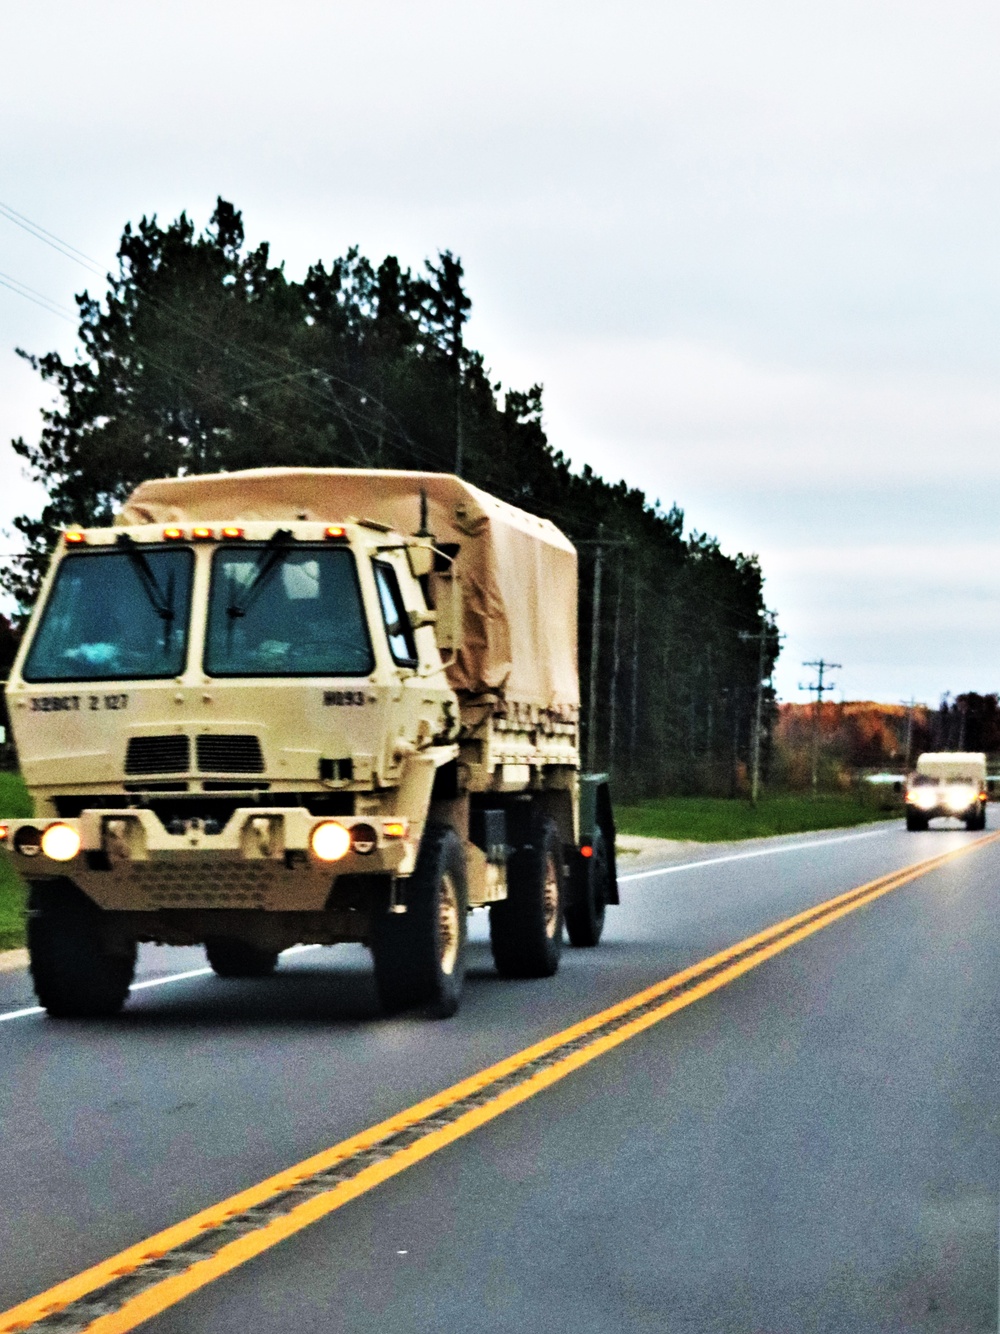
column 749, row 248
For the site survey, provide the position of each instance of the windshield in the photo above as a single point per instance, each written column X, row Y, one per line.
column 286, row 612
column 113, row 616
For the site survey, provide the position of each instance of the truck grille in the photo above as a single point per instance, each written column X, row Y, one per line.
column 158, row 755
column 219, row 754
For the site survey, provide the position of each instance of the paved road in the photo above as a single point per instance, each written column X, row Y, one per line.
column 812, row 1147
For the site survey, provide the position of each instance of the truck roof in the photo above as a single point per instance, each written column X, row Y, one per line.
column 941, row 763
column 518, row 572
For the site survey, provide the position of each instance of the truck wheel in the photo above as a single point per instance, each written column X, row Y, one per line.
column 586, row 909
column 235, row 958
column 526, row 928
column 420, row 954
column 76, row 973
column 915, row 821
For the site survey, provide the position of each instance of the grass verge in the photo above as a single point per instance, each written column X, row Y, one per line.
column 720, row 820
column 14, row 802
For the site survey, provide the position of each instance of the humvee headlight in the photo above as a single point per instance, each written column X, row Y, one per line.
column 924, row 797
column 330, row 841
column 959, row 797
column 60, row 842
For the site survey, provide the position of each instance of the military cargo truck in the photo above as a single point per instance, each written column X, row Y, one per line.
column 289, row 706
column 947, row 783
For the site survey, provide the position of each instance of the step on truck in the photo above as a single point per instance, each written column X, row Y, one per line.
column 306, row 706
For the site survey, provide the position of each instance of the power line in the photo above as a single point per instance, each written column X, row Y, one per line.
column 49, row 238
column 37, row 298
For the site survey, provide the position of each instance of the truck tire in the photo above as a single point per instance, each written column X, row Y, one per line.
column 915, row 821
column 420, row 954
column 236, row 958
column 76, row 973
column 526, row 928
column 585, row 910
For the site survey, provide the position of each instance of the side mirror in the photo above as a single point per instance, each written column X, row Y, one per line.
column 897, row 786
column 448, row 601
column 421, row 560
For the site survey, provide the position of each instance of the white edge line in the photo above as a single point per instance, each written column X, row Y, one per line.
column 756, row 852
column 150, row 982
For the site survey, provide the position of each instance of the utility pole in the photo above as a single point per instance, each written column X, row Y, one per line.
column 910, row 704
column 598, row 543
column 760, row 638
column 821, row 688
column 595, row 645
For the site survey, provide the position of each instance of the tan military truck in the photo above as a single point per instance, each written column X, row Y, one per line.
column 306, row 705
column 947, row 783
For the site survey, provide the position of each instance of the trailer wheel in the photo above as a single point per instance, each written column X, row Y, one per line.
column 420, row 954
column 585, row 910
column 526, row 928
column 77, row 973
column 236, row 958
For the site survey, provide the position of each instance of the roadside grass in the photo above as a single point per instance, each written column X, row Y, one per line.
column 721, row 820
column 14, row 802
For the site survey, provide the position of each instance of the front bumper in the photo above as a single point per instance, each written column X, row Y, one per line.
column 261, row 859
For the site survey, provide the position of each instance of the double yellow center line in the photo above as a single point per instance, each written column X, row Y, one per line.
column 138, row 1283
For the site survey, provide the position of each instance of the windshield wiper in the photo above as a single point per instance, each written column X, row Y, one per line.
column 162, row 603
column 267, row 562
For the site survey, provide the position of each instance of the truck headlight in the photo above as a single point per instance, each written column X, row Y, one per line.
column 60, row 842
column 330, row 841
column 924, row 797
column 959, row 797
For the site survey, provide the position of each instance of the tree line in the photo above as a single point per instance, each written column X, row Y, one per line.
column 204, row 356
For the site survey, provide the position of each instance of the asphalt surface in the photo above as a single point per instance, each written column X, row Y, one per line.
column 816, row 1146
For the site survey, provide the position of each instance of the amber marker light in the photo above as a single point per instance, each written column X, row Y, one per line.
column 4, row 833
column 60, row 843
column 336, row 530
column 394, row 828
column 173, row 534
column 232, row 532
column 75, row 537
column 330, row 841
column 202, row 534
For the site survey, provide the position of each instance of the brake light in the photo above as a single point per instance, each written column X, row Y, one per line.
column 586, row 850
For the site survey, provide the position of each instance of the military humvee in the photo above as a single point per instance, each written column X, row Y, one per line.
column 292, row 706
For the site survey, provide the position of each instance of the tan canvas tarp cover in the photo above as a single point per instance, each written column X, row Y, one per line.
column 518, row 572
